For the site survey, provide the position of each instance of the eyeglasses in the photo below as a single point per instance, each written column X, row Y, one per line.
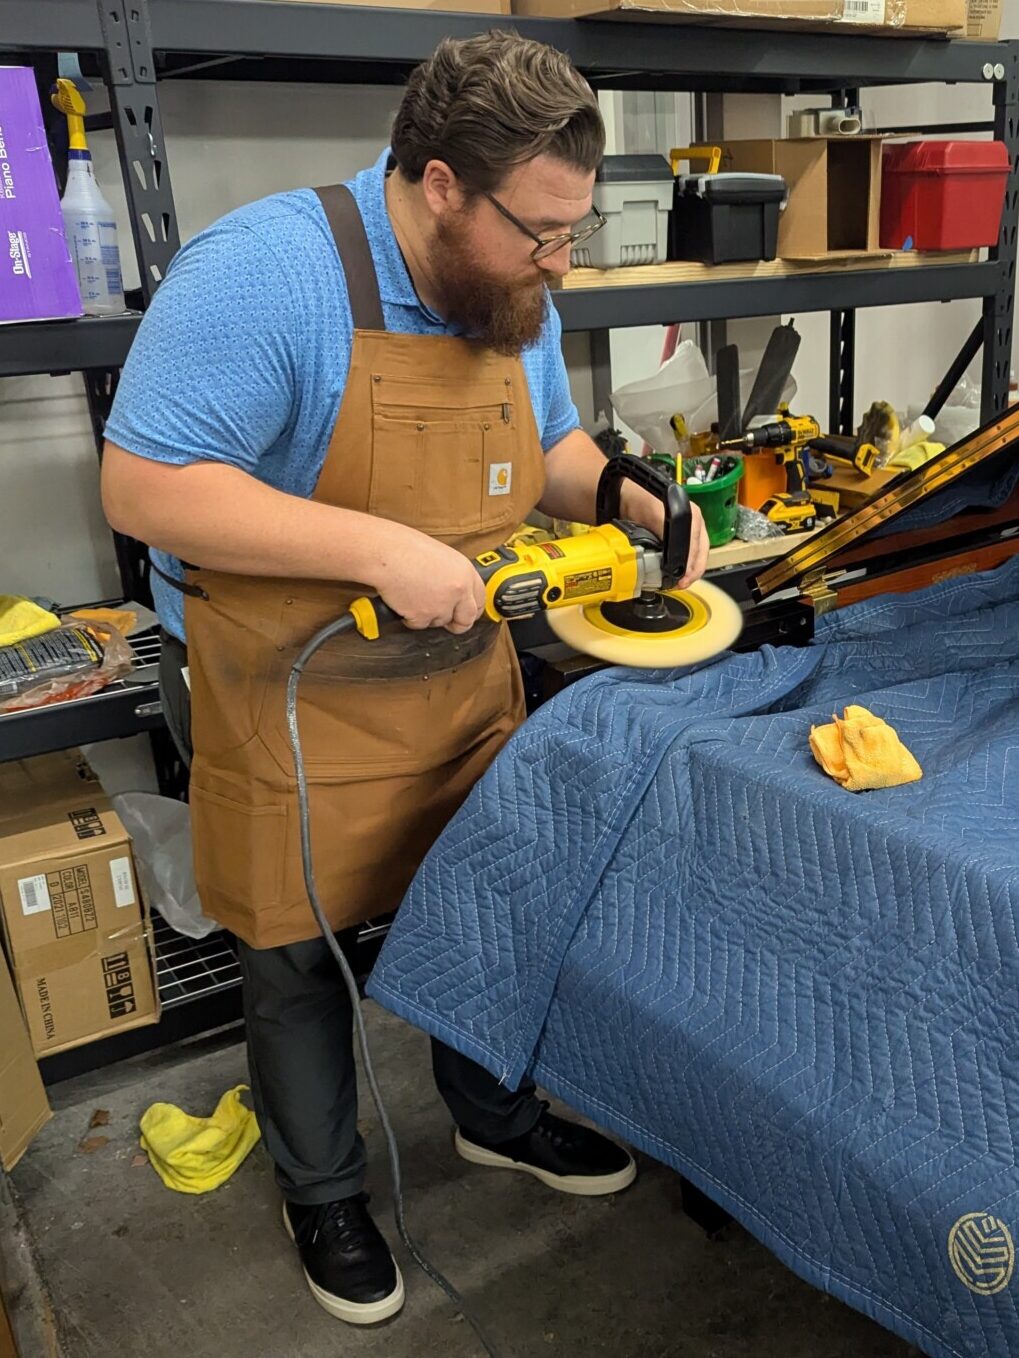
column 549, row 245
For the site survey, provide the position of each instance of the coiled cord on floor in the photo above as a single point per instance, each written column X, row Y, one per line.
column 332, row 629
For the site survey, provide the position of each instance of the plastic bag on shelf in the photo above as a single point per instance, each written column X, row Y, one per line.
column 959, row 417
column 681, row 386
column 71, row 661
column 160, row 829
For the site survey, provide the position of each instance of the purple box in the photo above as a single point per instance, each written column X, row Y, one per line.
column 37, row 279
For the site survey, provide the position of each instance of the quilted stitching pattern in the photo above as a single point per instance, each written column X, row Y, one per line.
column 803, row 998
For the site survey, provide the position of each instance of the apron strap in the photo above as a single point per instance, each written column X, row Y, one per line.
column 192, row 591
column 347, row 225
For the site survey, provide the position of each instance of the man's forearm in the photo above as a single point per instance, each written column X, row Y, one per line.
column 573, row 468
column 223, row 519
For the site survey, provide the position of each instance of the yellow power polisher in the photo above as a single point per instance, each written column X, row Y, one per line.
column 609, row 593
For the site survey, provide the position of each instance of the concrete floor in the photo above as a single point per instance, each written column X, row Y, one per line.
column 136, row 1270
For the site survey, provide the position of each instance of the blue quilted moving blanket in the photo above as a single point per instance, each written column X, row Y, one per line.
column 805, row 999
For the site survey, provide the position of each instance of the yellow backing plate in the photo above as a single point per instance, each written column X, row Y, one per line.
column 714, row 624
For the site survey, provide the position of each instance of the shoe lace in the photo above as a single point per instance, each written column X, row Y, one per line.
column 555, row 1131
column 341, row 1223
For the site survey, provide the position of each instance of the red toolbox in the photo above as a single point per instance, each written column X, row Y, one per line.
column 942, row 195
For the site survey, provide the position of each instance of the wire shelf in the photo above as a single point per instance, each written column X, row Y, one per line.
column 189, row 969
column 124, row 708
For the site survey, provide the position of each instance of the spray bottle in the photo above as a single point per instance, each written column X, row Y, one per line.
column 88, row 218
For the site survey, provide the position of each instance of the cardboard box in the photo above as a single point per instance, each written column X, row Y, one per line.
column 878, row 16
column 983, row 20
column 75, row 928
column 24, row 1108
column 834, row 206
column 37, row 279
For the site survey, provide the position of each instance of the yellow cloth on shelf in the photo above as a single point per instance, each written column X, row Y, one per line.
column 914, row 457
column 196, row 1155
column 21, row 619
column 861, row 752
column 124, row 620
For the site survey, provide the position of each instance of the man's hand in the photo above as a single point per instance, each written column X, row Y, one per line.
column 428, row 583
column 573, row 468
column 640, row 506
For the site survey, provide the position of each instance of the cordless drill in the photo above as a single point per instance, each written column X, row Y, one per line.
column 788, row 436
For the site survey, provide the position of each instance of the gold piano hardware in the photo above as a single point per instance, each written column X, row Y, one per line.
column 903, row 492
column 821, row 594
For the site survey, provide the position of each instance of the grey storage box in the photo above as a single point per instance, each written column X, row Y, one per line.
column 634, row 194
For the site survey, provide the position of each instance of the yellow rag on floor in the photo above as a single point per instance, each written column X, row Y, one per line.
column 196, row 1155
column 21, row 619
column 861, row 751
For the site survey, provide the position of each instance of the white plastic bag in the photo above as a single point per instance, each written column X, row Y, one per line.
column 680, row 385
column 161, row 830
column 683, row 386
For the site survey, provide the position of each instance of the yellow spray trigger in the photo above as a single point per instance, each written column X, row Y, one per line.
column 68, row 101
column 365, row 618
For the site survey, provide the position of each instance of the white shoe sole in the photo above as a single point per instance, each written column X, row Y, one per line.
column 353, row 1312
column 578, row 1185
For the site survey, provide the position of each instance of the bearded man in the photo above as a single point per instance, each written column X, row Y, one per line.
column 337, row 391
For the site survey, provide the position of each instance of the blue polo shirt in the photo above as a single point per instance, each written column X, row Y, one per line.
column 243, row 355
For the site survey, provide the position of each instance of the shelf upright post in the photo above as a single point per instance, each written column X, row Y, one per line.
column 131, row 81
column 999, row 309
column 131, row 75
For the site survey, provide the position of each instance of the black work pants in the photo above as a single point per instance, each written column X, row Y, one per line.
column 300, row 1023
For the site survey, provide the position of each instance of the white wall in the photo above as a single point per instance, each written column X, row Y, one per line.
column 227, row 143
column 230, row 142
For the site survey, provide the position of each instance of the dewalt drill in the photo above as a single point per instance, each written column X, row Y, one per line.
column 796, row 508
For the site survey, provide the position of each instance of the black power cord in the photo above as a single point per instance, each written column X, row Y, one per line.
column 333, row 629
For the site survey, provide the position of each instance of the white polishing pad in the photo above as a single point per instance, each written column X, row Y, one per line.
column 714, row 623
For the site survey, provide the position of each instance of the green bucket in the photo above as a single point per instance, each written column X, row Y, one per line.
column 716, row 499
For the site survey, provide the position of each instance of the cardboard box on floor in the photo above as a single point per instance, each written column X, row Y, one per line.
column 75, row 929
column 24, row 1108
column 834, row 206
column 876, row 16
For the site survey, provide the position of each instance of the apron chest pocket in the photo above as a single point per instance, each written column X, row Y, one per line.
column 445, row 467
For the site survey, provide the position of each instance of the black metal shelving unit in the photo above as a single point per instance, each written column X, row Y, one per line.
column 133, row 44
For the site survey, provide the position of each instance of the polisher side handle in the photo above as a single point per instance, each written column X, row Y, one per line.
column 676, row 540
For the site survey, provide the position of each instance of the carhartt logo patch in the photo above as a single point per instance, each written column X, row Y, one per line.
column 982, row 1253
column 500, row 478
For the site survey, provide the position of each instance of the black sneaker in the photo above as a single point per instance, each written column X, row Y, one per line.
column 564, row 1155
column 349, row 1268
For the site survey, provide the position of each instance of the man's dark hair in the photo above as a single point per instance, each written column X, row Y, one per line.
column 483, row 105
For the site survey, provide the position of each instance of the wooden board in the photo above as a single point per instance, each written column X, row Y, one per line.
column 738, row 553
column 687, row 271
column 929, row 573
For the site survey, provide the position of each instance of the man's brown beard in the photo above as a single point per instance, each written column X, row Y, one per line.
column 506, row 317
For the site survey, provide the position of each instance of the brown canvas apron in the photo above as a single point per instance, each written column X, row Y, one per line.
column 434, row 432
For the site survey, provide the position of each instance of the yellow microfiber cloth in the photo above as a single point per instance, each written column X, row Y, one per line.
column 123, row 619
column 861, row 751
column 21, row 619
column 196, row 1155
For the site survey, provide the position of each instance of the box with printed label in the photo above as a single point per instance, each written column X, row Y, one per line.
column 75, row 928
column 37, row 278
column 887, row 17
